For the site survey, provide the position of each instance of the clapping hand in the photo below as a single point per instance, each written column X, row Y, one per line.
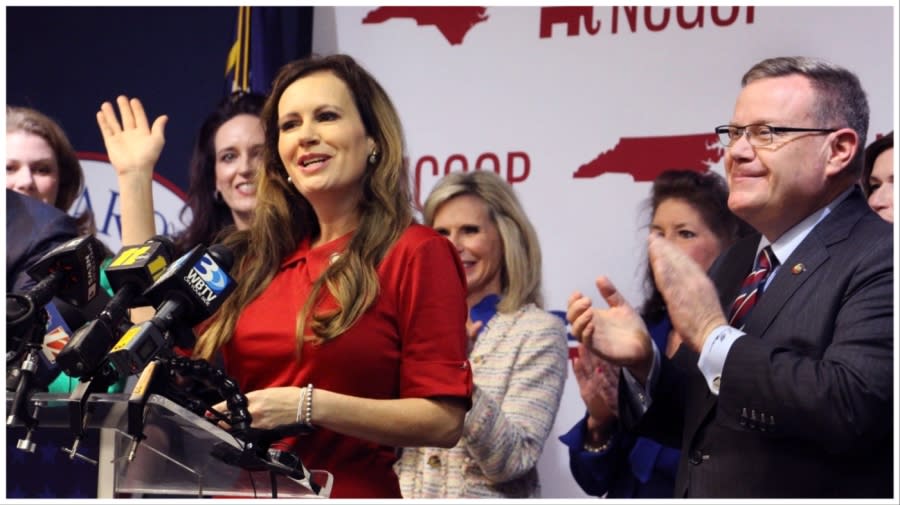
column 598, row 383
column 617, row 334
column 690, row 296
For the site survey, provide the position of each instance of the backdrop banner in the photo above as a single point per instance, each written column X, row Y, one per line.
column 579, row 108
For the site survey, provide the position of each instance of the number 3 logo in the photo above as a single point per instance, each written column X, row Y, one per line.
column 211, row 273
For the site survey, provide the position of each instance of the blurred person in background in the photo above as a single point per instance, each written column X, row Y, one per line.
column 878, row 177
column 41, row 163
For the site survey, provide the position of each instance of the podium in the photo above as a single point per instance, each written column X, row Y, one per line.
column 180, row 454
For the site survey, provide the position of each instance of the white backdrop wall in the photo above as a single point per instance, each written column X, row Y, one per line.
column 537, row 93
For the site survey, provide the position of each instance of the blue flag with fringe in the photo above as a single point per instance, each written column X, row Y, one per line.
column 257, row 53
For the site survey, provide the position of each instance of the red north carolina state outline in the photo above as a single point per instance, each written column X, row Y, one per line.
column 647, row 157
column 453, row 22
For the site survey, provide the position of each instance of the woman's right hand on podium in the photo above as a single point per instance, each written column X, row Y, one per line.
column 269, row 407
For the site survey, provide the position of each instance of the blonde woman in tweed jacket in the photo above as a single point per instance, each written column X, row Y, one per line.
column 518, row 351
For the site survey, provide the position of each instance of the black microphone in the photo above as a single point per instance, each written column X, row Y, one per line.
column 189, row 292
column 70, row 272
column 131, row 271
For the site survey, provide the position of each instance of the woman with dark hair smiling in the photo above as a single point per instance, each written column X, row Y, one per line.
column 226, row 156
column 691, row 210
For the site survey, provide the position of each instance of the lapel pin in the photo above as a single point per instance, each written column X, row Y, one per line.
column 798, row 269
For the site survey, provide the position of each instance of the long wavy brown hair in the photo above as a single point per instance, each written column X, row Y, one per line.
column 283, row 217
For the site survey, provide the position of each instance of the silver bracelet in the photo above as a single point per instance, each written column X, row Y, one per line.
column 300, row 403
column 307, row 419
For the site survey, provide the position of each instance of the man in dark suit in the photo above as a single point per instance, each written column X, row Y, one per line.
column 33, row 228
column 786, row 391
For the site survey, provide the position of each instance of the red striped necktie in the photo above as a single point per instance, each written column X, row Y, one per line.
column 752, row 287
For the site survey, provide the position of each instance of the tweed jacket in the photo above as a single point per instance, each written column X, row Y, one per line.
column 519, row 369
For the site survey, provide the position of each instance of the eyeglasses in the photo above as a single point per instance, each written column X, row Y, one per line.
column 759, row 134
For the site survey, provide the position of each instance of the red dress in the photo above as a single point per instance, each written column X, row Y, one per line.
column 411, row 343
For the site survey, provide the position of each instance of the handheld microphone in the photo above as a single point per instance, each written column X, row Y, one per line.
column 132, row 270
column 70, row 272
column 190, row 291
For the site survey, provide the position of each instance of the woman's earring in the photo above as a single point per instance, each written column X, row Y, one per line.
column 373, row 158
column 217, row 196
column 289, row 180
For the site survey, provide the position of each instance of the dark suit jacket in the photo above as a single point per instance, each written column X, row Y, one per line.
column 33, row 228
column 806, row 398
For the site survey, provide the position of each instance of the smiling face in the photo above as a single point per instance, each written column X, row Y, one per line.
column 238, row 151
column 773, row 187
column 31, row 167
column 676, row 220
column 466, row 221
column 322, row 141
column 881, row 183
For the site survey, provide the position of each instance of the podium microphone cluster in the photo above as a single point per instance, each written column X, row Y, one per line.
column 132, row 270
column 189, row 292
column 71, row 272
